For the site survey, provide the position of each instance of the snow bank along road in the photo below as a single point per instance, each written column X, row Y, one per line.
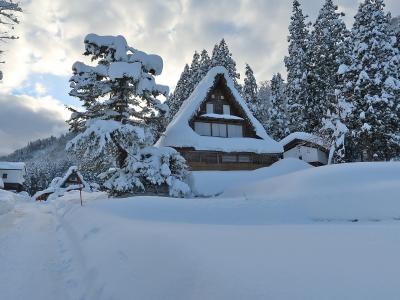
column 217, row 248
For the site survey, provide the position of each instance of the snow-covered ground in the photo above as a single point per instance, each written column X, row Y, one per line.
column 281, row 236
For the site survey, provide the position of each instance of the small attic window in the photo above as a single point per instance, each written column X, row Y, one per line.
column 222, row 97
column 213, row 96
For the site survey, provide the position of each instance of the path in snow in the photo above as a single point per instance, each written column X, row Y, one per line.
column 29, row 255
column 40, row 257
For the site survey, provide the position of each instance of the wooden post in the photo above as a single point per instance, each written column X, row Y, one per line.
column 80, row 188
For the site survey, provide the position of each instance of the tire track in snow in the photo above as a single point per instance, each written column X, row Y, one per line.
column 79, row 278
column 29, row 255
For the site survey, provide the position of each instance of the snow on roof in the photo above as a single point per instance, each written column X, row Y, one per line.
column 304, row 136
column 180, row 134
column 6, row 165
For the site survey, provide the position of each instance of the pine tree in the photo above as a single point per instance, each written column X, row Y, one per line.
column 264, row 102
column 9, row 19
column 372, row 86
column 277, row 112
column 205, row 63
column 325, row 56
column 250, row 90
column 189, row 79
column 116, row 140
column 123, row 77
column 297, row 68
column 180, row 93
column 221, row 56
column 195, row 72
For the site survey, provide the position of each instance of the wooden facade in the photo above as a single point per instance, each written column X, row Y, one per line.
column 226, row 161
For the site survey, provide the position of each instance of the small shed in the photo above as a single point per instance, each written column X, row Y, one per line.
column 12, row 175
column 215, row 130
column 72, row 180
column 305, row 146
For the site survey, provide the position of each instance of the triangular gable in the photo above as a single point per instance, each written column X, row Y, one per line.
column 72, row 177
column 180, row 134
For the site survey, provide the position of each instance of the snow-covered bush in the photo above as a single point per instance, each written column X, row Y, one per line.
column 149, row 170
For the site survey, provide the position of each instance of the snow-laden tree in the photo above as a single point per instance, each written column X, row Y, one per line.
column 297, row 68
column 221, row 56
column 277, row 112
column 190, row 77
column 264, row 100
column 371, row 86
column 325, row 56
column 8, row 19
column 205, row 63
column 395, row 26
column 195, row 72
column 250, row 91
column 180, row 93
column 119, row 121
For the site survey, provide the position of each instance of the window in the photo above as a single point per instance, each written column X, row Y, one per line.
column 4, row 176
column 229, row 158
column 219, row 130
column 202, row 128
column 210, row 108
column 227, row 110
column 213, row 96
column 244, row 158
column 222, row 97
column 235, row 130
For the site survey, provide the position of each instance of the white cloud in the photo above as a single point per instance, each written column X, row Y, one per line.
column 51, row 40
column 52, row 31
column 25, row 118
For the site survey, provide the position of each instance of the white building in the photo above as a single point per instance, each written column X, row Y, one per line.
column 12, row 174
column 307, row 147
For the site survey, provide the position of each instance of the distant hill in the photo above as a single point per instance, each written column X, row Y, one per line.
column 45, row 159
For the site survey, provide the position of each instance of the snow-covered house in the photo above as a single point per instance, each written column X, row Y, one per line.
column 72, row 180
column 307, row 147
column 12, row 175
column 215, row 130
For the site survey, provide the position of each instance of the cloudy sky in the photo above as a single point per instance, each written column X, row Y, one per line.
column 35, row 86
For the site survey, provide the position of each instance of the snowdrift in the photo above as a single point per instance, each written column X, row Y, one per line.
column 366, row 192
column 7, row 201
column 357, row 191
column 211, row 183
